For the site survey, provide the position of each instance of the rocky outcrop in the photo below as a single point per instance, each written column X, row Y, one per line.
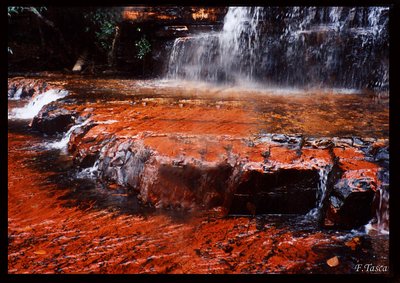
column 271, row 174
column 53, row 119
column 20, row 88
column 174, row 15
column 199, row 154
column 350, row 203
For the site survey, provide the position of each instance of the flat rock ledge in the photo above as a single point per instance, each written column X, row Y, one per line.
column 265, row 173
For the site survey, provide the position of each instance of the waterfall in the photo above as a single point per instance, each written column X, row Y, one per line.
column 240, row 40
column 35, row 105
column 229, row 54
column 63, row 143
column 193, row 58
column 380, row 223
column 321, row 190
column 90, row 172
column 338, row 47
column 382, row 213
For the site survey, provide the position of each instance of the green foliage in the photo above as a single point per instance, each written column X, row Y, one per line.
column 102, row 22
column 18, row 9
column 143, row 47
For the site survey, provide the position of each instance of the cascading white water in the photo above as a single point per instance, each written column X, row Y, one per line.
column 240, row 34
column 298, row 46
column 35, row 105
column 382, row 213
column 209, row 55
column 17, row 95
column 63, row 143
column 90, row 172
column 380, row 224
column 321, row 190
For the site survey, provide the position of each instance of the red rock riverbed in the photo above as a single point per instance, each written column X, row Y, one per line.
column 59, row 225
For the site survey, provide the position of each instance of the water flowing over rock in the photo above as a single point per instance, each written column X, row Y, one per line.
column 20, row 88
column 339, row 47
column 35, row 105
column 52, row 118
column 216, row 159
column 63, row 143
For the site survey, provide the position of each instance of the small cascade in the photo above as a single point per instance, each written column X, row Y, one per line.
column 17, row 95
column 323, row 180
column 336, row 47
column 90, row 172
column 380, row 224
column 35, row 105
column 382, row 213
column 321, row 191
column 63, row 143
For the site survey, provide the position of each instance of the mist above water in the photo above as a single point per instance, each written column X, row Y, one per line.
column 326, row 47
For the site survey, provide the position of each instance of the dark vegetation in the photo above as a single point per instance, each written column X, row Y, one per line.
column 50, row 39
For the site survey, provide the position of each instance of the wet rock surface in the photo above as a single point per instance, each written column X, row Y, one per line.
column 270, row 174
column 49, row 232
column 53, row 118
column 193, row 156
column 290, row 191
column 21, row 88
column 351, row 203
column 173, row 154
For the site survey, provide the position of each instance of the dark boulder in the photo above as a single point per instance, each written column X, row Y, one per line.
column 350, row 203
column 84, row 151
column 52, row 119
column 287, row 191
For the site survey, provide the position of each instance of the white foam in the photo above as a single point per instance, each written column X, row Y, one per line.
column 63, row 143
column 35, row 105
column 90, row 172
column 17, row 95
